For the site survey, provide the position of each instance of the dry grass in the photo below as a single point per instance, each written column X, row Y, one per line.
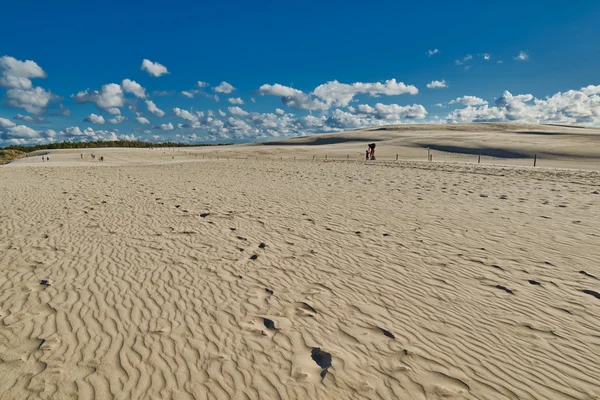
column 7, row 156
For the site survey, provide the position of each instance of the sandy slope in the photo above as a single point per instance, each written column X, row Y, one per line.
column 422, row 280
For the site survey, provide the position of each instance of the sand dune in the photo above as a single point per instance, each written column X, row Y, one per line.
column 165, row 275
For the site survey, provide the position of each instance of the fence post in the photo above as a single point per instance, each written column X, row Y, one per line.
column 313, row 158
column 428, row 155
column 534, row 159
column 326, row 156
column 479, row 159
column 396, row 157
column 347, row 156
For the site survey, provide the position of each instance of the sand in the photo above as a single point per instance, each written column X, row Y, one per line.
column 149, row 276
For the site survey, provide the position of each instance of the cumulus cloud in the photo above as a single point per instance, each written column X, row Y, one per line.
column 202, row 84
column 224, row 87
column 18, row 74
column 189, row 93
column 437, row 84
column 466, row 58
column 116, row 120
column 235, row 100
column 110, row 96
column 522, row 56
column 391, row 111
column 432, row 52
column 571, row 107
column 6, row 123
column 278, row 90
column 21, row 131
column 130, row 86
column 279, row 111
column 113, row 110
column 237, row 111
column 339, row 94
column 166, row 127
column 333, row 93
column 33, row 100
column 154, row 109
column 95, row 119
column 486, row 56
column 31, row 120
column 142, row 121
column 185, row 114
column 591, row 89
column 153, row 68
column 468, row 101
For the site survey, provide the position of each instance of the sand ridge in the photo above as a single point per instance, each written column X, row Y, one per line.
column 220, row 278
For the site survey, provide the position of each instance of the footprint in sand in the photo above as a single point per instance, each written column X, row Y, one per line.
column 323, row 360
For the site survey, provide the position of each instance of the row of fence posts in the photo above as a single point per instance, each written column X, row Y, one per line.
column 429, row 157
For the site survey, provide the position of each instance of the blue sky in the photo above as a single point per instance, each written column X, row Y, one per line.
column 338, row 65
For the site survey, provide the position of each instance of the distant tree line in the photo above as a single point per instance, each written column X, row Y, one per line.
column 93, row 145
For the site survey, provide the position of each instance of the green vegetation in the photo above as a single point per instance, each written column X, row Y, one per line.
column 7, row 156
column 93, row 145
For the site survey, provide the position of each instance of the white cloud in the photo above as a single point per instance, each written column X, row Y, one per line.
column 202, row 84
column 466, row 58
column 278, row 90
column 166, row 127
column 114, row 111
column 591, row 89
column 29, row 119
column 110, row 96
column 235, row 100
column 33, row 100
column 18, row 74
column 153, row 68
column 339, row 94
column 522, row 56
column 189, row 93
column 222, row 113
column 184, row 114
column 6, row 123
column 142, row 120
column 116, row 120
column 571, row 107
column 437, row 84
column 130, row 86
column 237, row 111
column 279, row 111
column 432, row 52
column 154, row 109
column 391, row 111
column 22, row 131
column 224, row 87
column 486, row 56
column 468, row 101
column 95, row 119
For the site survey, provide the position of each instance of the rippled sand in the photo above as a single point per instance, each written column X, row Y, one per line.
column 217, row 279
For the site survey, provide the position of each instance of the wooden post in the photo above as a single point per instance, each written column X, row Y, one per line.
column 479, row 159
column 347, row 156
column 326, row 156
column 428, row 155
column 313, row 158
column 396, row 157
column 534, row 159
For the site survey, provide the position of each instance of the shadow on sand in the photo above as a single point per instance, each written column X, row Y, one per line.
column 484, row 151
column 318, row 141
